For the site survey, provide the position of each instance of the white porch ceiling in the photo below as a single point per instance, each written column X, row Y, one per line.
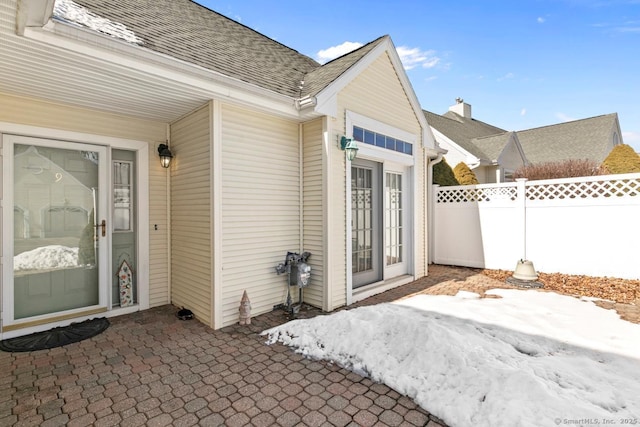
column 39, row 70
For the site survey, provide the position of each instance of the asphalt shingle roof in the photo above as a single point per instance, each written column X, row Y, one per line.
column 579, row 139
column 321, row 77
column 463, row 131
column 195, row 34
column 492, row 146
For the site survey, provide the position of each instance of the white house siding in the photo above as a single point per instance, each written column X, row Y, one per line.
column 28, row 111
column 191, row 217
column 260, row 208
column 44, row 114
column 158, row 245
column 378, row 94
column 313, row 209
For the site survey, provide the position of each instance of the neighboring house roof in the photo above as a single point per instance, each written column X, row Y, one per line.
column 464, row 131
column 580, row 139
column 190, row 32
column 589, row 138
column 492, row 146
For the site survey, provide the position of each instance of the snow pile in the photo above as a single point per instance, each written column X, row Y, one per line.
column 46, row 258
column 528, row 359
column 68, row 10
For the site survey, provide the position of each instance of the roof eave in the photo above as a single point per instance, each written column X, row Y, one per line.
column 216, row 85
column 33, row 13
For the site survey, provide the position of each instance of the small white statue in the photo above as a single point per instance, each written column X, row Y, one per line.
column 245, row 309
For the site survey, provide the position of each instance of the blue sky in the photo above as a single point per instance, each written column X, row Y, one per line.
column 520, row 64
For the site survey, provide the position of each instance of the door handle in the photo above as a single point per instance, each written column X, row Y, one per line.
column 103, row 225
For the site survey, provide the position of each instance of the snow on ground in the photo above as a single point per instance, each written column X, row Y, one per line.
column 46, row 258
column 527, row 359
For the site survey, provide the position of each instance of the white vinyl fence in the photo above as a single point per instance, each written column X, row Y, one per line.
column 588, row 226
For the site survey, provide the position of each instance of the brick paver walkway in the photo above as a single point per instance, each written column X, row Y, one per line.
column 150, row 368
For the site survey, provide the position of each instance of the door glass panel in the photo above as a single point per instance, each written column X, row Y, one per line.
column 124, row 290
column 393, row 218
column 55, row 249
column 361, row 199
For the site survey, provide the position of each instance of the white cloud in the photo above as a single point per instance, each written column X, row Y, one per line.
column 523, row 112
column 506, row 77
column 431, row 78
column 412, row 57
column 540, row 20
column 334, row 52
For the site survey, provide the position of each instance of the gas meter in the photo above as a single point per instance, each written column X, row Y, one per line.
column 303, row 273
column 298, row 274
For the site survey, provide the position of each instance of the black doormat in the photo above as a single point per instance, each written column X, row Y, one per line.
column 56, row 337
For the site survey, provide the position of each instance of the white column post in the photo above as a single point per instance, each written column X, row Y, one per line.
column 521, row 211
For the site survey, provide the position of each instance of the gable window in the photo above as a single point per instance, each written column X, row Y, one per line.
column 382, row 141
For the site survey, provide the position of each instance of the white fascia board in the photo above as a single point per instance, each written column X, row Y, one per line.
column 428, row 140
column 121, row 54
column 328, row 97
column 442, row 139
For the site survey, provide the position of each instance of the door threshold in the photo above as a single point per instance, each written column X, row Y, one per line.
column 380, row 287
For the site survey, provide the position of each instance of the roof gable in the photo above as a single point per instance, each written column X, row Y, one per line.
column 493, row 146
column 334, row 76
column 321, row 77
column 589, row 139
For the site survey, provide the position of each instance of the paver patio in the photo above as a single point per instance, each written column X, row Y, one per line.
column 149, row 368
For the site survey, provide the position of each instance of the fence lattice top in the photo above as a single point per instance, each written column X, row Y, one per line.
column 473, row 194
column 584, row 190
column 569, row 189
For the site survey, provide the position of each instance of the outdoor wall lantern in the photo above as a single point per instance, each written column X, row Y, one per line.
column 349, row 146
column 165, row 155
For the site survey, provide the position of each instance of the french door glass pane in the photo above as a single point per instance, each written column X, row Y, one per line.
column 362, row 212
column 55, row 197
column 393, row 218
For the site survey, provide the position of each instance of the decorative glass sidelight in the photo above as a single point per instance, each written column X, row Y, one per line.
column 124, row 281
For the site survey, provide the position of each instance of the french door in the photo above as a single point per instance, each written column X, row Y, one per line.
column 366, row 227
column 55, row 233
column 378, row 222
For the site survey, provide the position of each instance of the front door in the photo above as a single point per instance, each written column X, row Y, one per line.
column 55, row 235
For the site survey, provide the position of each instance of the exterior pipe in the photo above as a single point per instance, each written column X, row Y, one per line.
column 433, row 158
column 301, row 184
column 168, row 185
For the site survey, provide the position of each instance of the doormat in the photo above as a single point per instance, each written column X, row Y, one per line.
column 56, row 337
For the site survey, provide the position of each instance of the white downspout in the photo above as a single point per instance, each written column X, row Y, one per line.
column 300, row 198
column 433, row 159
column 301, row 184
column 168, row 186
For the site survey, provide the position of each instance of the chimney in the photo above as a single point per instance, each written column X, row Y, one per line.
column 461, row 108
